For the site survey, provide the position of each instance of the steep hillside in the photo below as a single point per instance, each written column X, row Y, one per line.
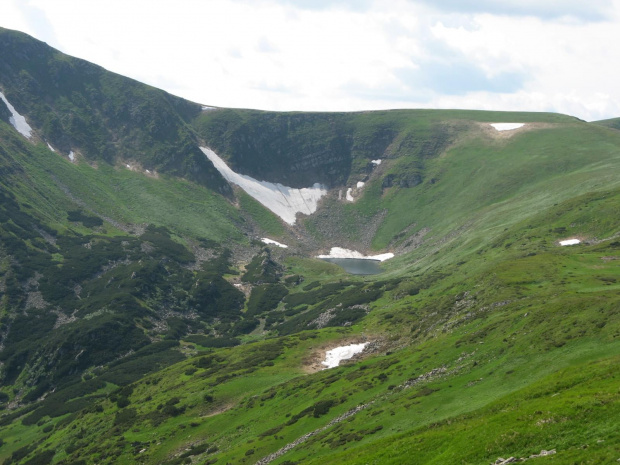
column 149, row 313
column 80, row 107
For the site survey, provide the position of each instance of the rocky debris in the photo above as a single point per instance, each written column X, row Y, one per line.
column 463, row 301
column 323, row 319
column 410, row 243
column 503, row 461
column 434, row 373
column 495, row 305
column 46, row 236
column 110, row 266
column 34, row 297
column 35, row 300
column 271, row 457
column 201, row 255
column 63, row 319
column 465, row 356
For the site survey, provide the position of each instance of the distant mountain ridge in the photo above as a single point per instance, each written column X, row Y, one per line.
column 78, row 106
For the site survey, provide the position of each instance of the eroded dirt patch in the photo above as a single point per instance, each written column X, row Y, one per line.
column 312, row 363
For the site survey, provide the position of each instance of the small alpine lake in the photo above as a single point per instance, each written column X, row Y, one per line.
column 359, row 266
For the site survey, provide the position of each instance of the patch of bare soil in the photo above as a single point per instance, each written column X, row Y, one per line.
column 312, row 362
column 217, row 410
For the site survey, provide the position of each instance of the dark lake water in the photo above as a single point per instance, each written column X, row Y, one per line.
column 356, row 265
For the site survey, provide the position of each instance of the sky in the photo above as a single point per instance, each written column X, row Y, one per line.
column 349, row 55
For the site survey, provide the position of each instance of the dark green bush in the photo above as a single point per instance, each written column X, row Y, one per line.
column 125, row 418
column 265, row 298
column 209, row 341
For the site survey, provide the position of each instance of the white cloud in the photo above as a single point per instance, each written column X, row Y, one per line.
column 593, row 10
column 297, row 54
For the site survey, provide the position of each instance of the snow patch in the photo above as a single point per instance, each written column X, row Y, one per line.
column 570, row 242
column 349, row 196
column 339, row 252
column 507, row 126
column 271, row 241
column 207, row 108
column 376, row 162
column 335, row 356
column 284, row 201
column 71, row 156
column 17, row 120
column 50, row 147
column 360, row 184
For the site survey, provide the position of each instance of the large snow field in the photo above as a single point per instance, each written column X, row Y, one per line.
column 284, row 201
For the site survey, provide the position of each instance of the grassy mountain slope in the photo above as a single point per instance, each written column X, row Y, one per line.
column 141, row 322
column 507, row 354
column 77, row 106
column 613, row 123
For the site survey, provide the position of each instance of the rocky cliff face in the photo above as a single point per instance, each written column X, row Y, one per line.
column 334, row 149
column 294, row 149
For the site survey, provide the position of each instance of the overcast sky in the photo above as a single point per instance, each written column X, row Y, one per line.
column 536, row 55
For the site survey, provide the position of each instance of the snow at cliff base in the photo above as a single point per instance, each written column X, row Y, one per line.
column 266, row 240
column 284, row 201
column 17, row 120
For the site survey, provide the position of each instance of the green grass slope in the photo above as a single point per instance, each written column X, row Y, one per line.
column 508, row 353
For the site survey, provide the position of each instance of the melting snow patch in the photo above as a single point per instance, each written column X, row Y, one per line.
column 207, row 108
column 570, row 242
column 349, row 196
column 335, row 356
column 339, row 252
column 507, row 126
column 271, row 241
column 284, row 201
column 17, row 120
column 71, row 155
column 375, row 162
column 50, row 147
column 360, row 184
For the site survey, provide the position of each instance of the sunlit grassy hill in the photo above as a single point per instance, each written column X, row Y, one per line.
column 143, row 320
